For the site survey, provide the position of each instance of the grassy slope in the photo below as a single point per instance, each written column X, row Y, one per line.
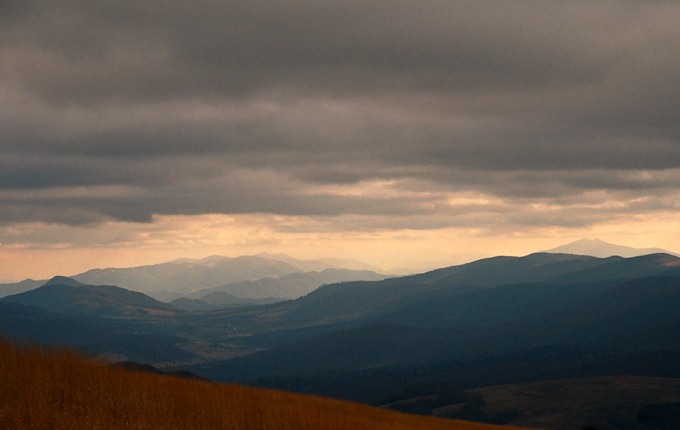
column 60, row 389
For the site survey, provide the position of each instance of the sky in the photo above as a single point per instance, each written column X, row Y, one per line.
column 402, row 133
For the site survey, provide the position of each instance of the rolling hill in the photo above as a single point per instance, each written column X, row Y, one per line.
column 424, row 299
column 33, row 324
column 68, row 296
column 639, row 315
column 61, row 389
column 437, row 324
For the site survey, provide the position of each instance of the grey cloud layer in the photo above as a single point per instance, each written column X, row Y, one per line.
column 256, row 106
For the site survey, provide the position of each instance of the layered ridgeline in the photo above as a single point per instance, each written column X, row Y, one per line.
column 44, row 389
column 501, row 320
column 100, row 319
column 250, row 279
column 270, row 289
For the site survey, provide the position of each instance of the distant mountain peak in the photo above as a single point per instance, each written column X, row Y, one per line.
column 64, row 280
column 602, row 249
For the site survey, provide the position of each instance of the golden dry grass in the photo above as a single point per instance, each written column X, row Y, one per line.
column 60, row 389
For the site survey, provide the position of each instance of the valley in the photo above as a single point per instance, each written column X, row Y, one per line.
column 445, row 335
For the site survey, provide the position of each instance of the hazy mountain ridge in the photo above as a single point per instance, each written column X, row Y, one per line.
column 290, row 286
column 182, row 277
column 20, row 287
column 320, row 264
column 602, row 249
column 189, row 277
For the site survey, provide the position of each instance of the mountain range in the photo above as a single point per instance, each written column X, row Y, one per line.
column 191, row 278
column 263, row 277
column 499, row 320
column 459, row 312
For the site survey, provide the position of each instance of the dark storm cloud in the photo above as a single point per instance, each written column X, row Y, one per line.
column 150, row 49
column 256, row 106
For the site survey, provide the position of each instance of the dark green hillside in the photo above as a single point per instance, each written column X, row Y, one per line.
column 620, row 269
column 481, row 307
column 34, row 324
column 456, row 296
column 372, row 345
column 65, row 295
column 642, row 313
column 495, row 271
column 606, row 322
column 373, row 300
column 423, row 301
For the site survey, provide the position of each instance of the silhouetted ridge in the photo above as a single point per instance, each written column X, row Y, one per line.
column 63, row 280
column 58, row 296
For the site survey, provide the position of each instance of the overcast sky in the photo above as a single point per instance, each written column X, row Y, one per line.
column 398, row 132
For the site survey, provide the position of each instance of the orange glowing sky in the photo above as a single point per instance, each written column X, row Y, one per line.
column 408, row 135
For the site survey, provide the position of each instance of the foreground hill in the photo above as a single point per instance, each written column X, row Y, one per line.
column 59, row 389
